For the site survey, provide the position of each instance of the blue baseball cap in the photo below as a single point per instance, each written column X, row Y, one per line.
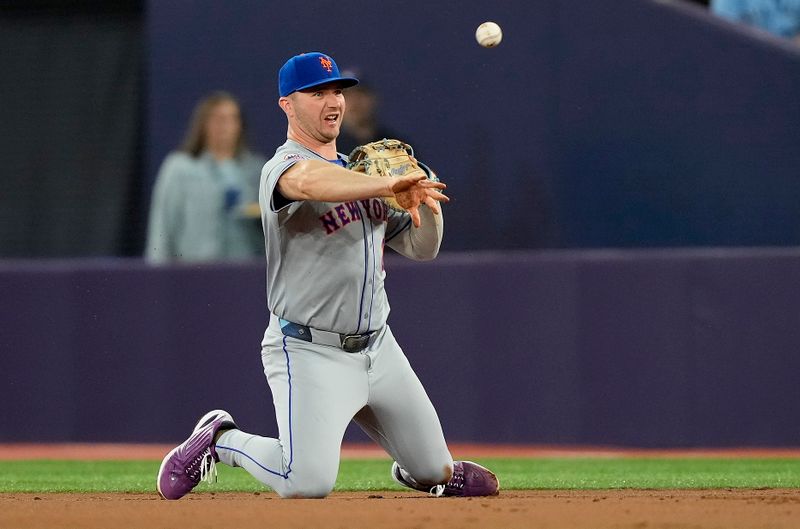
column 310, row 69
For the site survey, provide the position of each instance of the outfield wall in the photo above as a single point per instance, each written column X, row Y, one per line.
column 638, row 348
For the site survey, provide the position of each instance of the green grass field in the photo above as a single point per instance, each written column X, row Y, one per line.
column 370, row 474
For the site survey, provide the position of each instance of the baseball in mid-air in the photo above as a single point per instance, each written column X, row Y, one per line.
column 488, row 34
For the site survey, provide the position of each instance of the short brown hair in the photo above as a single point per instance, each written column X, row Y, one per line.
column 195, row 140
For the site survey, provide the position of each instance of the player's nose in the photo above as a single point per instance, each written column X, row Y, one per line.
column 332, row 101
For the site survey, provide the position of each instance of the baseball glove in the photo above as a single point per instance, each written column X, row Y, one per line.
column 388, row 158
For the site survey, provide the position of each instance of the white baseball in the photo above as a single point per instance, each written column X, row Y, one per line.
column 488, row 34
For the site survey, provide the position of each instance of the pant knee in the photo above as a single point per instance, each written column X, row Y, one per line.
column 307, row 488
column 306, row 491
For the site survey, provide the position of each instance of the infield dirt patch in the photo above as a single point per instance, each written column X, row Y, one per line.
column 618, row 509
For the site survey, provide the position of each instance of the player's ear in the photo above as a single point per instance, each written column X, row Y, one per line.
column 286, row 105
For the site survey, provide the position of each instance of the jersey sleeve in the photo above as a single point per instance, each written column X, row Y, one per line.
column 269, row 195
column 396, row 223
column 420, row 244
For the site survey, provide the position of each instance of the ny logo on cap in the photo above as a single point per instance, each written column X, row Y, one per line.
column 326, row 63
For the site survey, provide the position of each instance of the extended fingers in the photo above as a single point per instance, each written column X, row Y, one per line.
column 406, row 182
column 432, row 193
column 415, row 178
column 414, row 211
column 433, row 205
column 432, row 184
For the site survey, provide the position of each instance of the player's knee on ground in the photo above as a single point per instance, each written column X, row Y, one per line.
column 307, row 490
column 308, row 484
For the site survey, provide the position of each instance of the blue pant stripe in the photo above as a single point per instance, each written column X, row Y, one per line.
column 291, row 447
column 289, row 373
column 262, row 467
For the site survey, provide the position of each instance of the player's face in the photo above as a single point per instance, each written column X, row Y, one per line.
column 318, row 112
column 224, row 126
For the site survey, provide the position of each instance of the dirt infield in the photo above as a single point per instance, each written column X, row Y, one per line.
column 618, row 509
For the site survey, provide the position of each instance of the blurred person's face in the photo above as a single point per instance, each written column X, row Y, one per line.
column 360, row 107
column 316, row 113
column 224, row 126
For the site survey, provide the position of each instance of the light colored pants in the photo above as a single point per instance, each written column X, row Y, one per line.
column 317, row 390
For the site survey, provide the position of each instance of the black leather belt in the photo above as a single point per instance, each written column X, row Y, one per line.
column 350, row 343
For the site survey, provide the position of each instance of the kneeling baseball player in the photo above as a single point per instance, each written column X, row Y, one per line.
column 328, row 354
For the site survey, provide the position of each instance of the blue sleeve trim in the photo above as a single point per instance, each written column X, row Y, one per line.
column 277, row 201
column 398, row 232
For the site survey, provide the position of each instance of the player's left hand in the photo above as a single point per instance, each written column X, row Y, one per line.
column 414, row 182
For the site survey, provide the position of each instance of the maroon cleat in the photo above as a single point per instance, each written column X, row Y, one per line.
column 194, row 460
column 469, row 479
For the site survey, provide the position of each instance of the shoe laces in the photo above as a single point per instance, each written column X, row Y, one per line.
column 203, row 468
column 456, row 483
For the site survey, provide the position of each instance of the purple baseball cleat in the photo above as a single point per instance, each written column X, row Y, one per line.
column 195, row 459
column 469, row 479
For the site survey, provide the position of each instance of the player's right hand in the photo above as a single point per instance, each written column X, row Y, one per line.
column 412, row 190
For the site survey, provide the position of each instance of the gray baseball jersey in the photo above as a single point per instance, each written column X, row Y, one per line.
column 325, row 260
column 325, row 271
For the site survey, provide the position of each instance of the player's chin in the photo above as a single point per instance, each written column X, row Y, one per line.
column 330, row 133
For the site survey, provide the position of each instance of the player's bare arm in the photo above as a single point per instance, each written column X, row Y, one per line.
column 325, row 182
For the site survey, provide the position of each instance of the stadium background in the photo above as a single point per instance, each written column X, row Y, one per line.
column 624, row 182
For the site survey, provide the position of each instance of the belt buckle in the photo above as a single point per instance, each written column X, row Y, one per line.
column 353, row 343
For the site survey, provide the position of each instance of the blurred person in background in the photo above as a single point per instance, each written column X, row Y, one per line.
column 779, row 17
column 360, row 124
column 205, row 201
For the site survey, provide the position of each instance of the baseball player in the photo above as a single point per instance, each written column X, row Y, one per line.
column 328, row 354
